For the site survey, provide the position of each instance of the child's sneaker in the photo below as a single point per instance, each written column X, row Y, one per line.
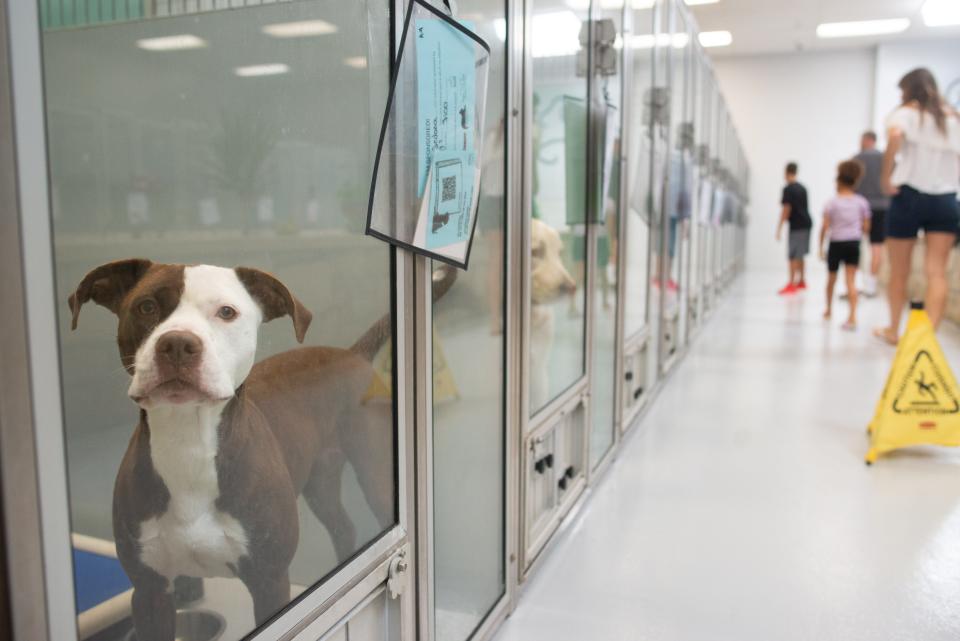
column 801, row 285
column 789, row 289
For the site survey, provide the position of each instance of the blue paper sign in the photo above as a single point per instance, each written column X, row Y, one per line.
column 446, row 107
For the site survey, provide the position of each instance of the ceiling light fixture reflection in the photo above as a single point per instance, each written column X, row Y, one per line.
column 715, row 39
column 300, row 29
column 649, row 41
column 555, row 34
column 271, row 69
column 941, row 13
column 583, row 5
column 862, row 28
column 172, row 43
column 356, row 62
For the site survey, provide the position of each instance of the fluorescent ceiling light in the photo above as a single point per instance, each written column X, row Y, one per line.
column 271, row 69
column 715, row 38
column 172, row 43
column 649, row 41
column 941, row 13
column 300, row 29
column 583, row 5
column 356, row 62
column 862, row 28
column 692, row 3
column 555, row 34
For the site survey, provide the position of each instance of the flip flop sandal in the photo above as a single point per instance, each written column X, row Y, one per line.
column 884, row 335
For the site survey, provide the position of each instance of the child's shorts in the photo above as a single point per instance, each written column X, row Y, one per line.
column 843, row 251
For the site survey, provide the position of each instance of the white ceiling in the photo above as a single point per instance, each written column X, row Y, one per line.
column 779, row 26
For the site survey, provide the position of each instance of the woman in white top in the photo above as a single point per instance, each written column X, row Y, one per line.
column 923, row 180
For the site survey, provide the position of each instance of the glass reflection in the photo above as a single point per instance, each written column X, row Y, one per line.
column 559, row 202
column 211, row 139
column 468, row 370
column 604, row 327
column 698, row 193
column 640, row 206
column 678, row 201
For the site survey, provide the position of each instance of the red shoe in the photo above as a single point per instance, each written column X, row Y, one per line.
column 789, row 289
column 672, row 285
column 802, row 285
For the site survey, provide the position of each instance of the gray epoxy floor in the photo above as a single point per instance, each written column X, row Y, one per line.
column 741, row 509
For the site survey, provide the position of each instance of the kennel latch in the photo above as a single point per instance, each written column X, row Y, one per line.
column 397, row 574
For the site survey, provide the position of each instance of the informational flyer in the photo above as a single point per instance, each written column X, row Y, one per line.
column 426, row 183
column 448, row 168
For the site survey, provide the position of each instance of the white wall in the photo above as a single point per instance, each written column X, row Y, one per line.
column 894, row 60
column 810, row 108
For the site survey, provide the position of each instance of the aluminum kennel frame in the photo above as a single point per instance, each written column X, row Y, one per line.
column 31, row 422
column 31, row 457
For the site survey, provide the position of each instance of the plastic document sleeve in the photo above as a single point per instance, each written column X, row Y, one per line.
column 426, row 179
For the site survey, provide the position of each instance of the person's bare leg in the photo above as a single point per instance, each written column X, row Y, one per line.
column 801, row 273
column 937, row 256
column 876, row 258
column 851, row 276
column 831, row 283
column 899, row 252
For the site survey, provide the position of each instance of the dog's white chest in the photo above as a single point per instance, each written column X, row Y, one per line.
column 193, row 537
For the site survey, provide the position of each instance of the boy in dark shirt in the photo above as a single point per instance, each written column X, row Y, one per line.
column 795, row 212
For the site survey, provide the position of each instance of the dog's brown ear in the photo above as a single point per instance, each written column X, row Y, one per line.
column 107, row 285
column 275, row 299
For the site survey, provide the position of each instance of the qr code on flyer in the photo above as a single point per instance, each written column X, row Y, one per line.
column 448, row 189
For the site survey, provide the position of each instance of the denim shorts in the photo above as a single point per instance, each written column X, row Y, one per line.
column 912, row 210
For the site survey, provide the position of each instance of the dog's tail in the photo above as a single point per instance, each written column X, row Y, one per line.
column 374, row 338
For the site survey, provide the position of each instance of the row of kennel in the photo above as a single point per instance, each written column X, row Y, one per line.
column 650, row 212
column 447, row 421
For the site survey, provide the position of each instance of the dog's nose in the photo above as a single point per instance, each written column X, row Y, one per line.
column 179, row 348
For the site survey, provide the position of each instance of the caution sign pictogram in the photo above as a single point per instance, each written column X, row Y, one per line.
column 920, row 403
column 925, row 390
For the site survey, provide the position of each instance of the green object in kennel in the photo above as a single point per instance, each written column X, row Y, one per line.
column 64, row 14
column 575, row 159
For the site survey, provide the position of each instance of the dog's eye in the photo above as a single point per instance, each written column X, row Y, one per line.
column 226, row 313
column 147, row 307
column 537, row 252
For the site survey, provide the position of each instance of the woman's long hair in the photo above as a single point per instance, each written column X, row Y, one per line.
column 919, row 85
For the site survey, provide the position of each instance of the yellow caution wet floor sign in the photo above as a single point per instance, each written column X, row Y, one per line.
column 920, row 404
column 444, row 387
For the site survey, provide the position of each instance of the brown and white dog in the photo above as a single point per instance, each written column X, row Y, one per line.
column 549, row 281
column 209, row 483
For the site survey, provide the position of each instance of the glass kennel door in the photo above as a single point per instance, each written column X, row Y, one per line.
column 642, row 103
column 466, row 572
column 678, row 185
column 557, row 259
column 234, row 433
column 606, row 146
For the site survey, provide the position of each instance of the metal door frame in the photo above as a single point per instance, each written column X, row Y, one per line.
column 40, row 558
column 425, row 579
